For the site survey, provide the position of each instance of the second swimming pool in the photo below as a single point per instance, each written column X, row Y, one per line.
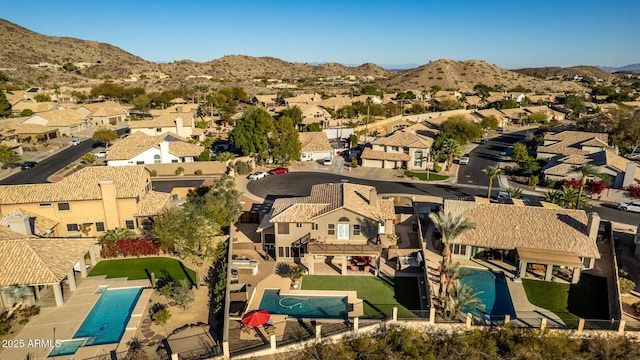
column 305, row 306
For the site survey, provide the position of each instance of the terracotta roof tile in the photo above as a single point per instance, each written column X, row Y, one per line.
column 370, row 154
column 314, row 141
column 153, row 203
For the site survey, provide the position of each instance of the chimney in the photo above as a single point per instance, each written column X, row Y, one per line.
column 593, row 225
column 20, row 224
column 373, row 197
column 164, row 152
column 629, row 174
column 178, row 122
column 109, row 204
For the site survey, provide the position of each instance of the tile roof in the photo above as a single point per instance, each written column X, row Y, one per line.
column 167, row 120
column 325, row 198
column 571, row 142
column 405, row 139
column 153, row 203
column 139, row 142
column 82, row 185
column 64, row 117
column 31, row 261
column 370, row 154
column 40, row 223
column 7, row 234
column 106, row 108
column 503, row 226
column 36, row 107
column 22, row 128
column 314, row 141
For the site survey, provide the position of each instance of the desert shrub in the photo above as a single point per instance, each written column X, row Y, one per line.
column 179, row 170
column 354, row 163
column 242, row 167
column 533, row 180
column 198, row 172
column 161, row 317
column 550, row 183
column 626, row 285
column 437, row 168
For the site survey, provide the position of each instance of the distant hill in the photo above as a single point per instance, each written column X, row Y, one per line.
column 556, row 71
column 464, row 75
column 630, row 67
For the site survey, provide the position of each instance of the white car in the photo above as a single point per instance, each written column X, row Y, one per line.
column 257, row 175
column 101, row 154
column 464, row 160
column 74, row 142
column 633, row 206
column 327, row 161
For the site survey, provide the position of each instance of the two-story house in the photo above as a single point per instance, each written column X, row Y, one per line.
column 405, row 149
column 88, row 202
column 334, row 223
column 568, row 143
column 140, row 149
column 181, row 124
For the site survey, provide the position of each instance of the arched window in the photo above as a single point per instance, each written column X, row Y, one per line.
column 343, row 219
column 156, row 159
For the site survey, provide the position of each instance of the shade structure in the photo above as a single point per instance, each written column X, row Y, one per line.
column 256, row 318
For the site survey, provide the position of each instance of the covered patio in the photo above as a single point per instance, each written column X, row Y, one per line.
column 344, row 258
column 43, row 263
column 549, row 264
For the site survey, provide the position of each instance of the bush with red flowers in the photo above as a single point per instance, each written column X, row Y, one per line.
column 595, row 187
column 129, row 247
column 573, row 183
column 634, row 190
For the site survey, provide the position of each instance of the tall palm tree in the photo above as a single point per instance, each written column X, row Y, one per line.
column 569, row 197
column 463, row 297
column 450, row 227
column 492, row 172
column 514, row 193
column 586, row 170
column 453, row 273
column 452, row 148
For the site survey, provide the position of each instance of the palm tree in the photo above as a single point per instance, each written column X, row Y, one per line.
column 554, row 197
column 586, row 170
column 452, row 148
column 463, row 297
column 453, row 273
column 492, row 172
column 514, row 193
column 570, row 197
column 450, row 227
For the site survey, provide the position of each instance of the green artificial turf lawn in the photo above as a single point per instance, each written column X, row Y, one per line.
column 423, row 176
column 380, row 294
column 141, row 268
column 587, row 299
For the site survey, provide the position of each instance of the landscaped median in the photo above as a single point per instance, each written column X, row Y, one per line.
column 379, row 294
column 141, row 268
column 423, row 176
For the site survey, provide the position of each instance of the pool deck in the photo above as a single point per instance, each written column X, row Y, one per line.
column 64, row 321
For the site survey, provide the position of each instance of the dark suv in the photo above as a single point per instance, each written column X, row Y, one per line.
column 28, row 165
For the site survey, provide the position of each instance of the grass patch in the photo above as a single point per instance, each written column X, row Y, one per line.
column 141, row 268
column 423, row 176
column 587, row 299
column 380, row 294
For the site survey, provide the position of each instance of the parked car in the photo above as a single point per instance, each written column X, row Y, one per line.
column 464, row 160
column 278, row 171
column 74, row 142
column 257, row 175
column 28, row 165
column 327, row 161
column 633, row 206
column 484, row 141
column 501, row 129
column 102, row 154
column 504, row 197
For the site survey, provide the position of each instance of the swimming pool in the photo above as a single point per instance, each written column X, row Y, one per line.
column 67, row 347
column 305, row 306
column 108, row 318
column 495, row 293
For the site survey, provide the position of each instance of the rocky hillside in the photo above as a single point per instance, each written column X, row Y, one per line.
column 464, row 75
column 561, row 72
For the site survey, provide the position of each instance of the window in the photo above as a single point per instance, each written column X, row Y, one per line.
column 63, row 206
column 129, row 224
column 156, row 159
column 99, row 226
column 343, row 219
column 331, row 229
column 139, row 162
column 356, row 229
column 174, row 161
column 417, row 158
column 343, row 231
column 459, row 249
column 283, row 228
column 284, row 251
column 45, row 205
column 395, row 148
column 72, row 227
column 158, row 130
column 298, row 225
column 314, row 226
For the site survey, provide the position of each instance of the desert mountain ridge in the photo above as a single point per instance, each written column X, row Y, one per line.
column 27, row 56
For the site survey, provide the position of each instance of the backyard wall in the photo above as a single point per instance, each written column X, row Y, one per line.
column 207, row 168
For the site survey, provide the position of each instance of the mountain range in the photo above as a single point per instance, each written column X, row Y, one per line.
column 22, row 47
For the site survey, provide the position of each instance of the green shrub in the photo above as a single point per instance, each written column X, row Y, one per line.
column 533, row 180
column 179, row 170
column 354, row 163
column 437, row 168
column 153, row 173
column 205, row 156
column 550, row 183
column 161, row 317
column 198, row 172
column 242, row 167
column 626, row 285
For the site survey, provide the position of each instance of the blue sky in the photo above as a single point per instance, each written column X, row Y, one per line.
column 506, row 33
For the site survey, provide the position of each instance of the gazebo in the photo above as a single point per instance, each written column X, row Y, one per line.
column 35, row 262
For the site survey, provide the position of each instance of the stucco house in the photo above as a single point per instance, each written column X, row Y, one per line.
column 102, row 114
column 568, row 143
column 541, row 242
column 334, row 223
column 314, row 114
column 404, row 149
column 67, row 121
column 140, row 149
column 181, row 124
column 88, row 202
column 314, row 146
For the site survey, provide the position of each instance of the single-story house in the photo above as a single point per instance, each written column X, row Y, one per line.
column 67, row 121
column 567, row 143
column 314, row 146
column 140, row 149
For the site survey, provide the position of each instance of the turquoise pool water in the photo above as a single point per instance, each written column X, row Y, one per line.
column 108, row 318
column 304, row 306
column 495, row 293
column 67, row 347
